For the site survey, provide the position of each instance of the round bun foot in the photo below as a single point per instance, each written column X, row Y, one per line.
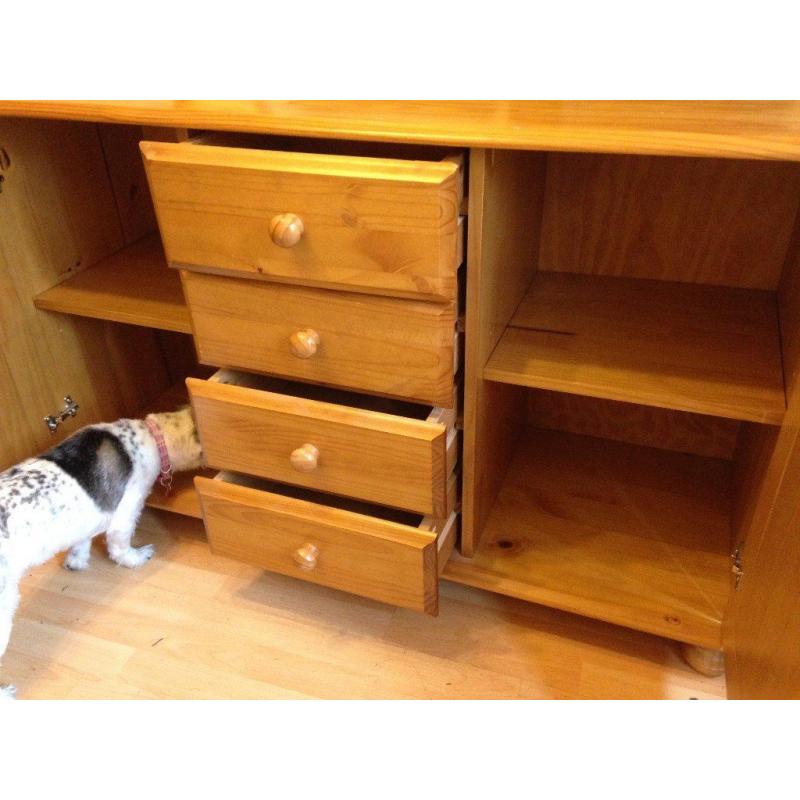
column 702, row 660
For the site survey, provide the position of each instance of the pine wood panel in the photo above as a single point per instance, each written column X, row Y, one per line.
column 57, row 216
column 699, row 434
column 631, row 535
column 725, row 129
column 128, row 180
column 164, row 631
column 376, row 456
column 374, row 225
column 696, row 220
column 755, row 449
column 789, row 310
column 374, row 344
column 703, row 349
column 762, row 627
column 133, row 285
column 505, row 198
column 369, row 556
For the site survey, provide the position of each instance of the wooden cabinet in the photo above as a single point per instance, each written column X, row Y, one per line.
column 628, row 401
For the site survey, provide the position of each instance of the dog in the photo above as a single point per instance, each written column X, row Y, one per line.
column 95, row 481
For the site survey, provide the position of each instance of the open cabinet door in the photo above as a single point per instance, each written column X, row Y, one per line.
column 762, row 626
column 762, row 632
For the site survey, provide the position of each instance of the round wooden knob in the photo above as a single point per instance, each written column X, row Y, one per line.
column 304, row 343
column 286, row 230
column 306, row 556
column 304, row 459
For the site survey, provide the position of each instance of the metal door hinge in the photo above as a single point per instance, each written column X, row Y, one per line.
column 736, row 566
column 54, row 420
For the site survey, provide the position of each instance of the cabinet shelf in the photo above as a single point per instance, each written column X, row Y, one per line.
column 133, row 286
column 707, row 349
column 631, row 535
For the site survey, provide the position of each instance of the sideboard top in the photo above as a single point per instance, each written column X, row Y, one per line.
column 727, row 129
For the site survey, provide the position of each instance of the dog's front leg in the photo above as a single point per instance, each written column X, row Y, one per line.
column 9, row 599
column 121, row 552
column 121, row 529
column 79, row 555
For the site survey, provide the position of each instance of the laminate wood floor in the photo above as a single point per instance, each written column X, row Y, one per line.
column 193, row 625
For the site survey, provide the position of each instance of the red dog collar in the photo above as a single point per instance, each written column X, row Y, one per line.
column 165, row 477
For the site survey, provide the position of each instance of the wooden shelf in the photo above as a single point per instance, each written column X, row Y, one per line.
column 183, row 499
column 627, row 534
column 134, row 286
column 708, row 349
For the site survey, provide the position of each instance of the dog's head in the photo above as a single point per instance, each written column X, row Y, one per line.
column 181, row 438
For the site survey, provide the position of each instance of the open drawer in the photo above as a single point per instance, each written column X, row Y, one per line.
column 377, row 225
column 384, row 451
column 371, row 551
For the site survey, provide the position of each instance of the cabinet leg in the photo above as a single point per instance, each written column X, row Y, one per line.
column 705, row 661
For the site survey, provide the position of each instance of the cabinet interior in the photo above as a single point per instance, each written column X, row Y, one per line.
column 633, row 346
column 73, row 196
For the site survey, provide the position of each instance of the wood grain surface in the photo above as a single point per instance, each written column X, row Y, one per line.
column 698, row 220
column 703, row 349
column 384, row 226
column 165, row 631
column 386, row 345
column 366, row 555
column 58, row 217
column 375, row 456
column 631, row 535
column 133, row 285
column 725, row 129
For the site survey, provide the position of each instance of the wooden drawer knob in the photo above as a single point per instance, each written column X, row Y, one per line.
column 306, row 556
column 304, row 343
column 304, row 459
column 286, row 230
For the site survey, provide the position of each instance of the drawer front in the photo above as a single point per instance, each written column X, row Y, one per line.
column 385, row 560
column 388, row 346
column 369, row 455
column 373, row 225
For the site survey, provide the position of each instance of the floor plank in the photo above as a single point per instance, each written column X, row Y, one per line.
column 193, row 625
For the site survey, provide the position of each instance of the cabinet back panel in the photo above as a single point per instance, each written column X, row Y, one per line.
column 695, row 220
column 663, row 428
column 789, row 313
column 128, row 180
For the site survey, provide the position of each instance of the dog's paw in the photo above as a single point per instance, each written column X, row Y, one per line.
column 7, row 691
column 76, row 563
column 136, row 556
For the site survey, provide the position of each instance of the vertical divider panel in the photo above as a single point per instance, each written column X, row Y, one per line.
column 762, row 626
column 506, row 194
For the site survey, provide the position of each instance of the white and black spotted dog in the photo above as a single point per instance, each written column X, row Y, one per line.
column 95, row 481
